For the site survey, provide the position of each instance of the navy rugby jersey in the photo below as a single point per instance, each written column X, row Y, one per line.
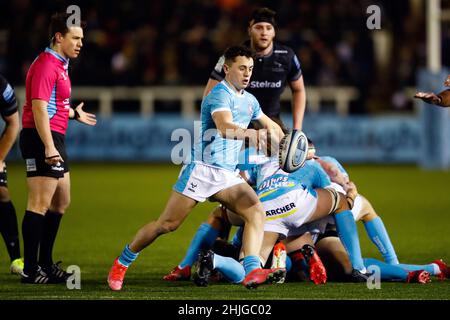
column 270, row 75
column 8, row 103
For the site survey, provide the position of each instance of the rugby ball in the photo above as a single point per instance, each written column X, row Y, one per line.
column 293, row 151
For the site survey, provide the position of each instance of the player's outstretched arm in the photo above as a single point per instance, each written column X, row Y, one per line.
column 429, row 97
column 447, row 81
column 271, row 126
column 441, row 99
column 298, row 102
column 84, row 117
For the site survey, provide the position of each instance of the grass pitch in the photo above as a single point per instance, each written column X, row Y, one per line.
column 111, row 201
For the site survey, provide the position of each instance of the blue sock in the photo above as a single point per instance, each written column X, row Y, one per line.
column 288, row 263
column 251, row 263
column 388, row 271
column 379, row 236
column 232, row 270
column 434, row 271
column 237, row 239
column 348, row 233
column 203, row 238
column 127, row 256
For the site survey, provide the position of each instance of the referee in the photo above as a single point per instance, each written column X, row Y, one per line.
column 42, row 142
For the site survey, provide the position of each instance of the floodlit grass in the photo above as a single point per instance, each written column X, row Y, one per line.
column 111, row 201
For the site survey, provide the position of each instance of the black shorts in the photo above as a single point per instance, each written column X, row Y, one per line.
column 33, row 152
column 330, row 231
column 3, row 178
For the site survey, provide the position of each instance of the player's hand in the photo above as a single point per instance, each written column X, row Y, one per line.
column 447, row 81
column 351, row 189
column 2, row 165
column 269, row 141
column 85, row 117
column 52, row 157
column 428, row 97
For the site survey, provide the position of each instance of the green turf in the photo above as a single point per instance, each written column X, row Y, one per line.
column 111, row 201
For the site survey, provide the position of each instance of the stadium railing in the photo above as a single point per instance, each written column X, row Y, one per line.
column 189, row 97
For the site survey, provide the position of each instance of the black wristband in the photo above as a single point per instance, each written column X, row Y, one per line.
column 76, row 115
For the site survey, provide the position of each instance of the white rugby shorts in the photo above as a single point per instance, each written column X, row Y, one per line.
column 286, row 213
column 199, row 181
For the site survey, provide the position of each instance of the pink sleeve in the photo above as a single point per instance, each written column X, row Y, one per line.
column 43, row 81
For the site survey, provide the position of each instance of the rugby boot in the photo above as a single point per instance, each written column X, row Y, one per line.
column 261, row 276
column 445, row 270
column 205, row 268
column 116, row 275
column 179, row 274
column 418, row 276
column 317, row 271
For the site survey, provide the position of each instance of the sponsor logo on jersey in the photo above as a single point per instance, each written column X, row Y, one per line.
column 274, row 182
column 63, row 74
column 281, row 210
column 280, row 51
column 265, row 84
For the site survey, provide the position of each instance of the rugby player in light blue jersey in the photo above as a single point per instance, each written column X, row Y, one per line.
column 330, row 247
column 288, row 205
column 225, row 114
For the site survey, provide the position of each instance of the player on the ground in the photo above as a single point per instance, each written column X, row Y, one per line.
column 288, row 205
column 362, row 209
column 225, row 114
column 275, row 66
column 8, row 218
column 441, row 99
column 333, row 250
column 42, row 142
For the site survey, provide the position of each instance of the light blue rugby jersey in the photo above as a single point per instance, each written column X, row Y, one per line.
column 272, row 182
column 334, row 161
column 211, row 148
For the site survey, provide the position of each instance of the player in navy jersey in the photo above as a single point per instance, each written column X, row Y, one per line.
column 8, row 218
column 275, row 66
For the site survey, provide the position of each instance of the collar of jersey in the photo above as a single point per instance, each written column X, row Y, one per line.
column 58, row 56
column 233, row 91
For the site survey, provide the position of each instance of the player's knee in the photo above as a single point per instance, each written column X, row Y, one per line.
column 61, row 205
column 38, row 207
column 167, row 226
column 255, row 214
column 259, row 216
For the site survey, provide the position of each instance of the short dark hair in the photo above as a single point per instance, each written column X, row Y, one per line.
column 58, row 23
column 232, row 52
column 263, row 15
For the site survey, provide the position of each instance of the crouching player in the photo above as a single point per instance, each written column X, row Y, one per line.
column 333, row 253
column 288, row 205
